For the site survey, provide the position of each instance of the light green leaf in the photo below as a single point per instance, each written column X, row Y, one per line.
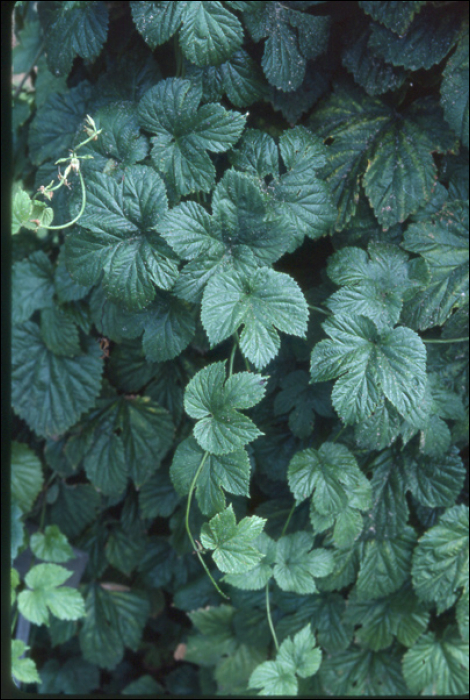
column 32, row 286
column 117, row 236
column 297, row 565
column 26, row 476
column 454, row 89
column 220, row 428
column 79, row 29
column 184, row 132
column 427, row 41
column 370, row 365
column 440, row 560
column 46, row 593
column 391, row 157
column 442, row 241
column 256, row 578
column 264, row 301
column 232, row 542
column 385, row 565
column 229, row 472
column 210, row 34
column 51, row 545
column 397, row 16
column 302, row 651
column 48, row 391
column 375, row 286
column 23, row 669
column 275, row 678
column 437, row 666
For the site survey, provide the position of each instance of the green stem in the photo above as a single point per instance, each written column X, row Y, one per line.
column 15, row 617
column 82, row 209
column 270, row 620
column 340, row 433
column 449, row 340
column 232, row 356
column 188, row 507
column 288, row 519
column 320, row 311
column 25, row 76
column 178, row 56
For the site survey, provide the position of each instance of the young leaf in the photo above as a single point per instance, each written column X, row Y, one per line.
column 232, row 542
column 370, row 365
column 46, row 593
column 48, row 391
column 275, row 678
column 213, row 403
column 184, row 132
column 297, row 565
column 22, row 668
column 263, row 302
column 117, row 236
column 229, row 472
column 51, row 545
column 257, row 578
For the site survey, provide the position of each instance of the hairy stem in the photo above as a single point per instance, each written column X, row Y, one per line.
column 270, row 620
column 82, row 209
column 188, row 530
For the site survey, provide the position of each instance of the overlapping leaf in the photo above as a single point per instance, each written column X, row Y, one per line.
column 263, row 301
column 390, row 156
column 214, row 402
column 184, row 132
column 454, row 89
column 397, row 16
column 117, row 236
column 370, row 366
column 302, row 401
column 256, row 578
column 298, row 565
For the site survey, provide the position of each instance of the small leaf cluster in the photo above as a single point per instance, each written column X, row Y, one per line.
column 240, row 382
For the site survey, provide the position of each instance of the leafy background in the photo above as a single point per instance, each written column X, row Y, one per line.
column 268, row 290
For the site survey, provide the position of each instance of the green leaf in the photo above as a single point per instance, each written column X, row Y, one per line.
column 169, row 328
column 436, row 482
column 124, row 551
column 397, row 16
column 385, row 565
column 128, row 369
column 454, row 89
column 32, row 286
column 75, row 508
column 46, row 594
column 117, row 236
column 442, row 241
column 59, row 333
column 375, row 286
column 51, row 545
column 145, row 685
column 391, row 157
column 157, row 497
column 75, row 677
column 79, row 29
column 440, row 560
column 50, row 392
column 427, row 41
column 256, row 578
column 370, row 365
column 25, row 51
column 210, row 34
column 361, row 672
column 184, row 132
column 232, row 673
column 26, row 213
column 275, row 678
column 263, row 302
column 437, row 666
column 157, row 21
column 302, row 402
column 232, row 542
column 221, row 428
column 115, row 620
column 26, row 476
column 292, row 38
column 65, row 287
column 229, row 472
column 297, row 565
column 389, row 514
column 462, row 615
column 217, row 635
column 303, row 652
column 23, row 669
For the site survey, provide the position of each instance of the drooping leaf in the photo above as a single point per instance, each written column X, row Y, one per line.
column 117, row 236
column 454, row 89
column 51, row 392
column 264, row 302
column 391, row 157
column 442, row 241
column 184, row 131
column 229, row 472
column 370, row 365
column 46, row 595
column 437, row 665
column 396, row 16
column 440, row 561
column 73, row 29
column 232, row 542
column 297, row 565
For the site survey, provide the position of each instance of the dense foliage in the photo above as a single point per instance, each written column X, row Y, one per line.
column 240, row 348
